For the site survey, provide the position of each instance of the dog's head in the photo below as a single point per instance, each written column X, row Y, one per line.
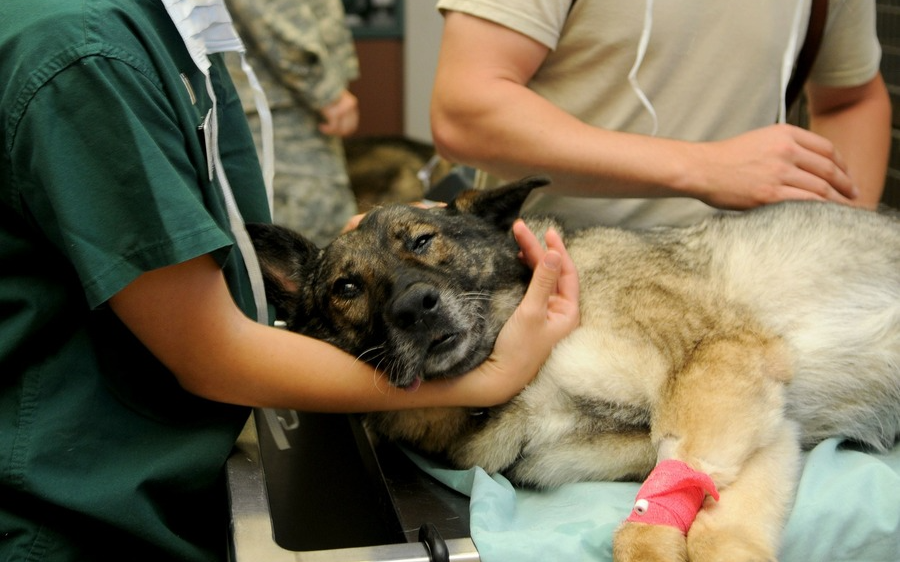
column 418, row 293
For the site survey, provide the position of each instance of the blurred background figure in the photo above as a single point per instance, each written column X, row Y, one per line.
column 304, row 56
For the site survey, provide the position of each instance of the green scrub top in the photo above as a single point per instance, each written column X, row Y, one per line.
column 103, row 176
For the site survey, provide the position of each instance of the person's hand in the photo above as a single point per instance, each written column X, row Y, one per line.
column 352, row 222
column 771, row 164
column 548, row 313
column 341, row 117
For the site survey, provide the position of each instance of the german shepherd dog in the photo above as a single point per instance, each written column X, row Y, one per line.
column 727, row 346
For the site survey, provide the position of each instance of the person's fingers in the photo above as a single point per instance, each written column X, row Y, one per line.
column 340, row 118
column 568, row 283
column 428, row 204
column 818, row 144
column 530, row 246
column 332, row 125
column 553, row 240
column 803, row 173
column 827, row 171
column 788, row 193
column 771, row 164
column 544, row 280
column 326, row 128
column 533, row 252
column 353, row 222
column 551, row 299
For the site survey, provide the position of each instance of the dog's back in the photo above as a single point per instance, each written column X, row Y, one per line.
column 827, row 279
column 824, row 277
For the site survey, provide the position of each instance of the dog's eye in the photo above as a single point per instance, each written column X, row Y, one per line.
column 345, row 289
column 420, row 243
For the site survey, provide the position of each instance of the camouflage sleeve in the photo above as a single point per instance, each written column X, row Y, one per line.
column 306, row 45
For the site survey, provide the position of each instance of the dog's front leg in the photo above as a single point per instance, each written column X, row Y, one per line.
column 746, row 522
column 717, row 425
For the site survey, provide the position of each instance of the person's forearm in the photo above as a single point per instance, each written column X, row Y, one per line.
column 185, row 316
column 262, row 366
column 861, row 131
column 509, row 131
column 512, row 132
column 484, row 115
column 272, row 368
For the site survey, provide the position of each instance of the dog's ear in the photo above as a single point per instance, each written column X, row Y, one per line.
column 501, row 205
column 284, row 256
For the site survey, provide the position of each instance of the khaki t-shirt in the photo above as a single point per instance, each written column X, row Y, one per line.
column 712, row 70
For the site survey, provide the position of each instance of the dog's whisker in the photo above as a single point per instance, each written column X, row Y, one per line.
column 376, row 351
column 477, row 293
column 378, row 375
column 391, row 377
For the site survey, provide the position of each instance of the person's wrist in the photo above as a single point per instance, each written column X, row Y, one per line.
column 509, row 374
column 685, row 175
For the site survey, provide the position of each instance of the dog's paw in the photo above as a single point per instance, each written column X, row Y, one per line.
column 639, row 542
column 734, row 545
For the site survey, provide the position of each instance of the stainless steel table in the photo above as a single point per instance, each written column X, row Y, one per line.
column 319, row 488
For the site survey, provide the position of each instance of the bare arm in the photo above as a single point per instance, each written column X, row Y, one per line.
column 484, row 115
column 858, row 122
column 185, row 315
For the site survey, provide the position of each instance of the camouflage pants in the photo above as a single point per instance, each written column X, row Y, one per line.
column 312, row 191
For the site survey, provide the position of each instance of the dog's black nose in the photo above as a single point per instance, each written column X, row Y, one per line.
column 414, row 305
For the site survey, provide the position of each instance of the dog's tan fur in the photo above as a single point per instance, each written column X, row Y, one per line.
column 728, row 345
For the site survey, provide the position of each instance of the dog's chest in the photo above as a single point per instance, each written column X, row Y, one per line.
column 580, row 390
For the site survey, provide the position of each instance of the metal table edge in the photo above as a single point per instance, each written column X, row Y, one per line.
column 251, row 537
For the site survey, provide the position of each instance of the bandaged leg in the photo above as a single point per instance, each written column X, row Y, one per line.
column 717, row 413
column 672, row 495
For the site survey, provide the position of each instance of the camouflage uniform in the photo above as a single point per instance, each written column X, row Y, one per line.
column 303, row 54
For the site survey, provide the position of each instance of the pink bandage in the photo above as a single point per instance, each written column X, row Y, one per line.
column 672, row 495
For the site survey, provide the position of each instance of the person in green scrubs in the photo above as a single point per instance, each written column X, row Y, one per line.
column 129, row 350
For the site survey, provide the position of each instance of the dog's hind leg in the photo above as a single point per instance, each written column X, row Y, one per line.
column 718, row 424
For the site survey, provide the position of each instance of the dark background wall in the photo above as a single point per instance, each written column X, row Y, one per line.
column 889, row 33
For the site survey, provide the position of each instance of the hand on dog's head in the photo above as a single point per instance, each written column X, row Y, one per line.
column 282, row 252
column 349, row 293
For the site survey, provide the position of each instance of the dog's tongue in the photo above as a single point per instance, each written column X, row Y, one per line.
column 414, row 385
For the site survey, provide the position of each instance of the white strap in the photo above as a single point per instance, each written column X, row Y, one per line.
column 242, row 238
column 205, row 27
column 266, row 130
column 639, row 59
